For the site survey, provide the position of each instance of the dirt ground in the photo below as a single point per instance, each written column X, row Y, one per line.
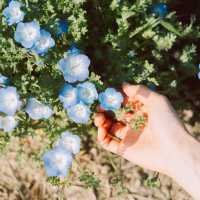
column 23, row 178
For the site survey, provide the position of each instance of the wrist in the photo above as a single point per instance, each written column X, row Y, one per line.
column 185, row 168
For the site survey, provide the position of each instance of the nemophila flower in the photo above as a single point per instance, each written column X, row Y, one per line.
column 3, row 80
column 70, row 142
column 57, row 162
column 58, row 27
column 110, row 99
column 44, row 43
column 79, row 113
column 27, row 33
column 73, row 50
column 87, row 92
column 7, row 123
column 13, row 13
column 75, row 67
column 152, row 86
column 160, row 9
column 68, row 96
column 36, row 110
column 62, row 27
column 9, row 100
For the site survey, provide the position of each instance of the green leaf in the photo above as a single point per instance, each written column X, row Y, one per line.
column 170, row 28
column 149, row 25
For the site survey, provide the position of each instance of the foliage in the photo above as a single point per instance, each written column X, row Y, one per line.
column 89, row 179
column 152, row 181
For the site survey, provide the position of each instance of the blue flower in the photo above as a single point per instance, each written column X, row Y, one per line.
column 13, row 13
column 68, row 96
column 62, row 27
column 79, row 113
column 57, row 162
column 110, row 99
column 73, row 50
column 58, row 27
column 9, row 100
column 160, row 9
column 75, row 67
column 3, row 80
column 37, row 110
column 87, row 92
column 70, row 142
column 152, row 86
column 44, row 43
column 7, row 123
column 27, row 33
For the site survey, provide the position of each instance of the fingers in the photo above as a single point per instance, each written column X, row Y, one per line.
column 102, row 132
column 106, row 140
column 112, row 146
column 108, row 127
column 119, row 130
column 106, row 137
column 138, row 92
column 99, row 119
column 128, row 138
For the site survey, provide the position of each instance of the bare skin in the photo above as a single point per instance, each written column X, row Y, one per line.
column 164, row 145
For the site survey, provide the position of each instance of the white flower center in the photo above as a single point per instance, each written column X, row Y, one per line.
column 16, row 12
column 30, row 33
column 68, row 142
column 111, row 99
column 45, row 110
column 38, row 110
column 44, row 42
column 70, row 96
column 75, row 66
column 80, row 111
column 60, row 161
column 74, row 69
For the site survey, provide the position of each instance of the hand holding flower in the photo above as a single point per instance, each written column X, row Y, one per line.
column 163, row 145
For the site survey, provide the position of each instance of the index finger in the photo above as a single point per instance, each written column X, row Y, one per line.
column 99, row 119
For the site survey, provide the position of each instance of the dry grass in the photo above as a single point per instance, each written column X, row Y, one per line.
column 23, row 178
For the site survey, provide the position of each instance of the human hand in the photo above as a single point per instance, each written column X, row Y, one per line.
column 152, row 147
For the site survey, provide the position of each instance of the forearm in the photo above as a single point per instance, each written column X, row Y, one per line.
column 185, row 169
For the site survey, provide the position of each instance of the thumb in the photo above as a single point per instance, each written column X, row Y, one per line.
column 138, row 92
